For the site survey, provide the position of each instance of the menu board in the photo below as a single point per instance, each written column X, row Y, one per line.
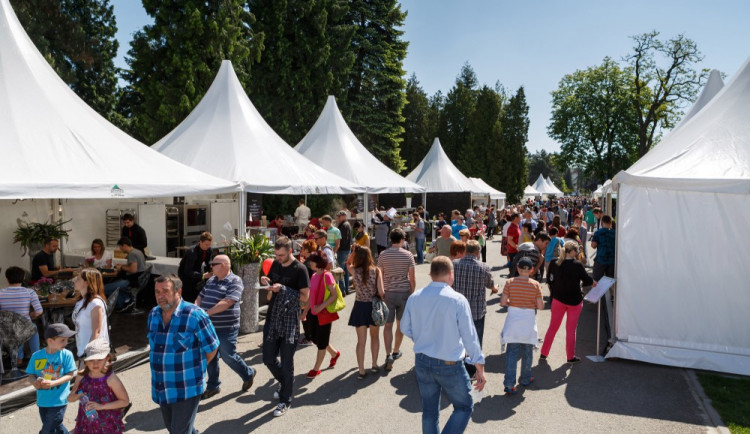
column 254, row 206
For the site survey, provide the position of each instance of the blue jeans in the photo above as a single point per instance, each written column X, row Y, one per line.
column 179, row 416
column 341, row 257
column 52, row 419
column 512, row 353
column 228, row 353
column 479, row 326
column 33, row 345
column 434, row 375
column 282, row 371
column 420, row 250
column 123, row 297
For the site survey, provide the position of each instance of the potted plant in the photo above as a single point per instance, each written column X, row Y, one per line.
column 246, row 255
column 31, row 236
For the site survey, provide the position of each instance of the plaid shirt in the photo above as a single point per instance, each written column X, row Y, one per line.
column 283, row 320
column 178, row 352
column 471, row 279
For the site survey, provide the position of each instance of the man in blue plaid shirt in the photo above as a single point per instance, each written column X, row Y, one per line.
column 182, row 341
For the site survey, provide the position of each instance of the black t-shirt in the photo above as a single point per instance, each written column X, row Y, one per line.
column 40, row 259
column 566, row 279
column 346, row 236
column 137, row 236
column 294, row 276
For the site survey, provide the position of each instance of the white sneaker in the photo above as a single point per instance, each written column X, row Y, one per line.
column 280, row 409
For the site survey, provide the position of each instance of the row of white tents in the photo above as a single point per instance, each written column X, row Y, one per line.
column 542, row 187
column 56, row 147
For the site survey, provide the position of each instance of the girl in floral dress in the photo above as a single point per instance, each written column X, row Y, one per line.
column 104, row 392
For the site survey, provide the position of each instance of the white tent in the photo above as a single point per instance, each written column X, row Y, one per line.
column 226, row 136
column 682, row 293
column 713, row 85
column 492, row 192
column 553, row 186
column 437, row 174
column 332, row 145
column 55, row 146
column 531, row 191
column 542, row 186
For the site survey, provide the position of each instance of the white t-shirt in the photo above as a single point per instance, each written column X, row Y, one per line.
column 505, row 229
column 82, row 320
column 102, row 263
column 302, row 214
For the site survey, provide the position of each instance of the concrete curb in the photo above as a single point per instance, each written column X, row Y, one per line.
column 714, row 423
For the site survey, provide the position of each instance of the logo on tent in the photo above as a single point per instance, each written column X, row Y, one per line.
column 117, row 191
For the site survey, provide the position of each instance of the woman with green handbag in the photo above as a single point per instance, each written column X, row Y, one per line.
column 320, row 319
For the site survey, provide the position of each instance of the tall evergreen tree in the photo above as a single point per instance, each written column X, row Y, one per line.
column 483, row 137
column 459, row 107
column 375, row 91
column 417, row 134
column 515, row 122
column 174, row 60
column 77, row 37
column 305, row 59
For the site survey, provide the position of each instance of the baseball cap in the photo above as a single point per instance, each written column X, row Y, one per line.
column 58, row 330
column 525, row 263
column 96, row 350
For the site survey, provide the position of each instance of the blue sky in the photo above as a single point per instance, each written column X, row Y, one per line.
column 535, row 43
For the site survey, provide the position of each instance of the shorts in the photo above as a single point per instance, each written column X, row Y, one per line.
column 319, row 334
column 361, row 314
column 396, row 302
column 601, row 270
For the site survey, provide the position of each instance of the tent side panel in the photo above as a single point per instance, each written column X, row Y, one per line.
column 681, row 292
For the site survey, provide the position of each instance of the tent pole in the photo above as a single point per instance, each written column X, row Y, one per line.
column 365, row 211
column 241, row 230
column 424, row 200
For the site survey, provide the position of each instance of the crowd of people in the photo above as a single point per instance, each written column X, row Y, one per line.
column 445, row 319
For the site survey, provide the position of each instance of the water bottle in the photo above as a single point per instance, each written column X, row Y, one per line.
column 90, row 414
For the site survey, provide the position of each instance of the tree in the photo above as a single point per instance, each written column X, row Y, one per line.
column 375, row 92
column 543, row 163
column 417, row 134
column 305, row 59
column 174, row 60
column 594, row 120
column 483, row 137
column 459, row 106
column 77, row 37
column 662, row 85
column 514, row 169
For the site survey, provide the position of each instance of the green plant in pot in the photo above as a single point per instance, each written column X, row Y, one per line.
column 250, row 250
column 246, row 255
column 31, row 235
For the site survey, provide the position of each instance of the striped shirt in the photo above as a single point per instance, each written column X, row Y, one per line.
column 522, row 292
column 178, row 352
column 18, row 299
column 395, row 263
column 216, row 290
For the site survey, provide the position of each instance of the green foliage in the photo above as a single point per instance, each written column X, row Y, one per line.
column 174, row 60
column 417, row 132
column 514, row 171
column 30, row 235
column 543, row 162
column 730, row 396
column 460, row 103
column 481, row 154
column 77, row 37
column 664, row 78
column 306, row 57
column 250, row 250
column 594, row 121
column 375, row 92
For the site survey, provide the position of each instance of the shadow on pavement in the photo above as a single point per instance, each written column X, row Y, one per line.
column 144, row 421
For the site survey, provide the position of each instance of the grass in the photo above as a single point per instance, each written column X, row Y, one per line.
column 730, row 396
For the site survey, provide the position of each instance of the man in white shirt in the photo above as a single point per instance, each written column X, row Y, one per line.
column 302, row 216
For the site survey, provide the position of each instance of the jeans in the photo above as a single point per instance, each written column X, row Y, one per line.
column 511, row 360
column 434, row 376
column 558, row 310
column 479, row 326
column 179, row 416
column 341, row 257
column 52, row 419
column 33, row 346
column 282, row 371
column 420, row 250
column 123, row 296
column 228, row 353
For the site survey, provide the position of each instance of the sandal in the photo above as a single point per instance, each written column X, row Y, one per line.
column 334, row 359
column 361, row 375
column 375, row 369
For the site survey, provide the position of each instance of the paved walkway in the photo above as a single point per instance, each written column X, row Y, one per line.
column 614, row 396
